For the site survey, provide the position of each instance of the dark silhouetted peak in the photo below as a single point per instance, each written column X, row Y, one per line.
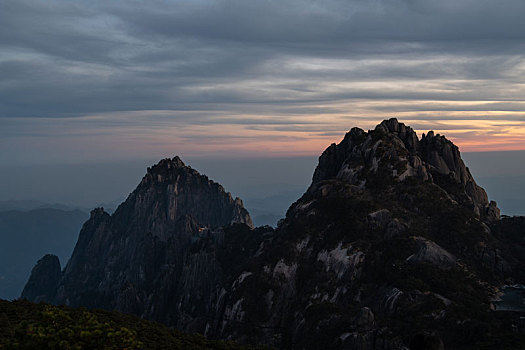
column 98, row 213
column 137, row 253
column 392, row 153
column 171, row 189
column 177, row 162
column 400, row 130
column 167, row 169
column 167, row 164
column 44, row 279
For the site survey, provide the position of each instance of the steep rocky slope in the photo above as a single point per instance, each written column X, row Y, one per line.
column 393, row 245
column 44, row 279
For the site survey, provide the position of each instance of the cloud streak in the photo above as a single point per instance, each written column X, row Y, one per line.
column 254, row 78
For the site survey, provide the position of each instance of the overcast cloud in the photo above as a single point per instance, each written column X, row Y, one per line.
column 100, row 80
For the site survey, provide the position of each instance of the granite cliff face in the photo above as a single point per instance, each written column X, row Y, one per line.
column 133, row 260
column 393, row 246
column 394, row 150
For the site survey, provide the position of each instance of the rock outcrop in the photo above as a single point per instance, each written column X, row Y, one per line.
column 430, row 252
column 44, row 279
column 392, row 246
column 394, row 150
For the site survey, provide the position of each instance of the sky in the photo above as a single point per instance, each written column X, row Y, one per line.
column 91, row 81
column 92, row 92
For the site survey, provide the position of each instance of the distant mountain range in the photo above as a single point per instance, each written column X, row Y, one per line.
column 269, row 210
column 27, row 205
column 393, row 246
column 266, row 210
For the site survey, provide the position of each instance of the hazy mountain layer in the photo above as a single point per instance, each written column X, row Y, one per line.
column 27, row 235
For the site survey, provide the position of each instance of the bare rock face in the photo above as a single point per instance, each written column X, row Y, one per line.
column 393, row 150
column 432, row 253
column 365, row 318
column 134, row 260
column 443, row 157
column 170, row 190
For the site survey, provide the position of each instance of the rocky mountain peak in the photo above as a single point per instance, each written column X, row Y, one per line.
column 170, row 190
column 167, row 170
column 392, row 153
column 401, row 131
column 167, row 164
column 97, row 213
column 120, row 260
column 43, row 280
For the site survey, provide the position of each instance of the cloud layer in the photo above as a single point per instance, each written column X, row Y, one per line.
column 98, row 79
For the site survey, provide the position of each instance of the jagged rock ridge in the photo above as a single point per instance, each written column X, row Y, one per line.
column 393, row 149
column 392, row 246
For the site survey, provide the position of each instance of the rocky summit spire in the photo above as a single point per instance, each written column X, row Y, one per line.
column 167, row 164
column 171, row 190
column 393, row 153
